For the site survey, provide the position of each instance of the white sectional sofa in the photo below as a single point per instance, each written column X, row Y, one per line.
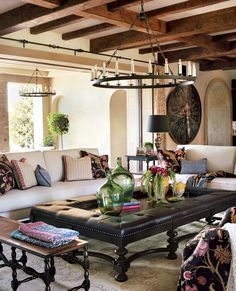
column 219, row 158
column 16, row 203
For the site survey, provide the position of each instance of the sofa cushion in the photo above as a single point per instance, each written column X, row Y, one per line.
column 7, row 180
column 77, row 168
column 194, row 167
column 54, row 163
column 171, row 158
column 24, row 174
column 42, row 176
column 99, row 164
column 216, row 156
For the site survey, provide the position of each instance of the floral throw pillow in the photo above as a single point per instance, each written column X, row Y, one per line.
column 99, row 164
column 171, row 158
column 7, row 181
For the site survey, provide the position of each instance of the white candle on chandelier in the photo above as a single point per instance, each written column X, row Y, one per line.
column 104, row 69
column 149, row 67
column 166, row 66
column 180, row 72
column 194, row 70
column 189, row 71
column 117, row 68
column 132, row 67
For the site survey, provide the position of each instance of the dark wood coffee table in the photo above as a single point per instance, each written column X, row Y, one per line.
column 132, row 226
column 7, row 226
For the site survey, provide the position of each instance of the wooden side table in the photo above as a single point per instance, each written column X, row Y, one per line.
column 140, row 158
column 7, row 226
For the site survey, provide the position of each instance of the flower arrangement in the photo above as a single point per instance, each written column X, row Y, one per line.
column 155, row 182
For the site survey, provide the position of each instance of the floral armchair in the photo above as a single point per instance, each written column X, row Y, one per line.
column 207, row 258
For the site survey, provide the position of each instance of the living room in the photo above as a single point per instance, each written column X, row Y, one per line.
column 114, row 121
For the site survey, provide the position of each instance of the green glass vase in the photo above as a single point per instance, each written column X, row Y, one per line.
column 110, row 197
column 124, row 178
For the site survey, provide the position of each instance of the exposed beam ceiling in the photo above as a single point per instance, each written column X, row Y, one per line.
column 198, row 30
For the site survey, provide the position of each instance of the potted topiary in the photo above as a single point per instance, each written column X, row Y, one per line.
column 149, row 146
column 58, row 124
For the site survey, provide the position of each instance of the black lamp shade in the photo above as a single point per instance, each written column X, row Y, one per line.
column 158, row 123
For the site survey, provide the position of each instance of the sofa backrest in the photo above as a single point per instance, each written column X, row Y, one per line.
column 218, row 157
column 32, row 157
column 54, row 163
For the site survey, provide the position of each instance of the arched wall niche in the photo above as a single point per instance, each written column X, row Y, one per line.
column 218, row 113
column 118, row 126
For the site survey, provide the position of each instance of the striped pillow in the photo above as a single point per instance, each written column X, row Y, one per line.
column 24, row 174
column 77, row 168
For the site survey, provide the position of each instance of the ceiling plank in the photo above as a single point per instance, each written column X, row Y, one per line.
column 182, row 7
column 123, row 18
column 226, row 36
column 54, row 24
column 210, row 22
column 123, row 4
column 87, row 31
column 44, row 3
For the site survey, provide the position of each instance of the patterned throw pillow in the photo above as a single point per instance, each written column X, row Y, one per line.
column 171, row 158
column 7, row 181
column 77, row 168
column 24, row 174
column 42, row 176
column 99, row 164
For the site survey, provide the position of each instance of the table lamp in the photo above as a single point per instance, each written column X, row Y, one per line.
column 157, row 124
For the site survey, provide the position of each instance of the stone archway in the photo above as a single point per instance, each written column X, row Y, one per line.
column 218, row 114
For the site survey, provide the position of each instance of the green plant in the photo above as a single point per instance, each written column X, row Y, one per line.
column 58, row 124
column 148, row 144
column 48, row 141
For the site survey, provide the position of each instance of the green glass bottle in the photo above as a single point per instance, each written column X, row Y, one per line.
column 110, row 197
column 124, row 178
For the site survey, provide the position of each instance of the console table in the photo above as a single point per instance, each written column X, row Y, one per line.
column 140, row 158
column 7, row 226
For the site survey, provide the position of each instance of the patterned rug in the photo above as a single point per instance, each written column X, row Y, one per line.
column 148, row 273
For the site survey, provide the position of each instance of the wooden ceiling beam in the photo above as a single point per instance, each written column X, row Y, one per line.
column 54, row 24
column 206, row 42
column 123, row 4
column 207, row 23
column 218, row 65
column 29, row 15
column 87, row 31
column 226, row 36
column 182, row 7
column 164, row 48
column 123, row 18
column 44, row 3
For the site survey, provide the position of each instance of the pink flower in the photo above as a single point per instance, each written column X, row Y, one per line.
column 201, row 248
column 201, row 280
column 187, row 275
column 189, row 288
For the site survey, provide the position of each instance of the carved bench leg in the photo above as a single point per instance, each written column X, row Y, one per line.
column 121, row 264
column 173, row 244
column 13, row 265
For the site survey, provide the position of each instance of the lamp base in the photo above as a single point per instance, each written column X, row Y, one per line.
column 157, row 141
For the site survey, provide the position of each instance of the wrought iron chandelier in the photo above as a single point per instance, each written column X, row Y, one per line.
column 35, row 89
column 153, row 78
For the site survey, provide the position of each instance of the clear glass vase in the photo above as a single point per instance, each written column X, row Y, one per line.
column 110, row 197
column 160, row 188
column 124, row 178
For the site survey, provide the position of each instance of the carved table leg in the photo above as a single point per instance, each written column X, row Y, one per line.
column 47, row 275
column 13, row 265
column 121, row 264
column 173, row 244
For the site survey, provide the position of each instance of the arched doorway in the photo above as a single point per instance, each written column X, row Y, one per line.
column 118, row 126
column 218, row 114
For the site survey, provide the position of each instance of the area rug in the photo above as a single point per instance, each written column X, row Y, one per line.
column 148, row 273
